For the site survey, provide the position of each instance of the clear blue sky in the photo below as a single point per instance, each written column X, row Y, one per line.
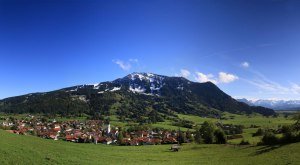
column 249, row 48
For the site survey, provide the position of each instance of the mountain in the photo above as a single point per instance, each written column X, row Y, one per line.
column 246, row 101
column 138, row 96
column 274, row 104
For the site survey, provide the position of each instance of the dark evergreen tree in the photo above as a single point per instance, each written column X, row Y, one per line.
column 180, row 137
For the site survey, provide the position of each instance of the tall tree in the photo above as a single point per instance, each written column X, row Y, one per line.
column 198, row 136
column 207, row 132
column 297, row 124
column 220, row 136
column 180, row 137
column 189, row 136
column 120, row 138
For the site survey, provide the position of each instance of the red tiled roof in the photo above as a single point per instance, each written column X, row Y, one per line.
column 70, row 137
column 56, row 129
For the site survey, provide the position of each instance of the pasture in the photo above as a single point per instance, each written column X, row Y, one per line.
column 18, row 149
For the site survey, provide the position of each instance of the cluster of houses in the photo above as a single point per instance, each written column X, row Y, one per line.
column 89, row 131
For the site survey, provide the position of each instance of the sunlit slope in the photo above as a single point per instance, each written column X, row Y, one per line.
column 17, row 149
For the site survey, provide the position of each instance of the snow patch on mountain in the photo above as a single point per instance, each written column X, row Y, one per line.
column 139, row 76
column 142, row 82
column 137, row 90
column 115, row 89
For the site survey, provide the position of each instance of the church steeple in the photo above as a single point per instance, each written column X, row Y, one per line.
column 108, row 128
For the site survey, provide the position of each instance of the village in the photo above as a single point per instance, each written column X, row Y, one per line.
column 88, row 131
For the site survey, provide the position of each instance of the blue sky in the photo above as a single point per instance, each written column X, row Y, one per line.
column 248, row 48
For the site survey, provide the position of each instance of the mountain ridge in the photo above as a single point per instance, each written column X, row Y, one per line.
column 273, row 104
column 134, row 96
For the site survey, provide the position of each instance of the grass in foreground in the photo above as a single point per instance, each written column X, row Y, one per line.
column 18, row 149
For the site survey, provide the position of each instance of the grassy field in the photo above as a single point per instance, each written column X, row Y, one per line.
column 245, row 120
column 247, row 136
column 18, row 149
column 168, row 125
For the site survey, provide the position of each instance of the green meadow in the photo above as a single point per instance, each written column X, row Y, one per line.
column 246, row 120
column 18, row 149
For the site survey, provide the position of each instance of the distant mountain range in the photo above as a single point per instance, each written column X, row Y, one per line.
column 274, row 104
column 137, row 96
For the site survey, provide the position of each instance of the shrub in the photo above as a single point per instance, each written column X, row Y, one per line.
column 235, row 137
column 289, row 137
column 286, row 128
column 231, row 129
column 244, row 142
column 184, row 123
column 259, row 132
column 254, row 126
column 270, row 139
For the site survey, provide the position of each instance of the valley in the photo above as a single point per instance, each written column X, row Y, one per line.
column 20, row 149
column 138, row 118
column 149, row 82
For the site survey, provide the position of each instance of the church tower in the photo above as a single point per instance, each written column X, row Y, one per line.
column 108, row 128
